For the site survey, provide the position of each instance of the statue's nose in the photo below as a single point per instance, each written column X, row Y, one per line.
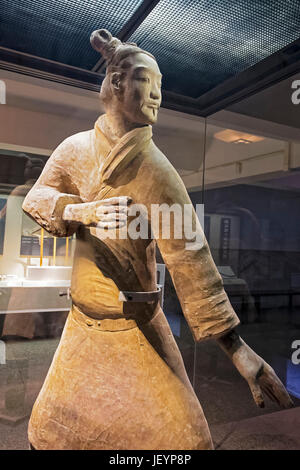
column 155, row 93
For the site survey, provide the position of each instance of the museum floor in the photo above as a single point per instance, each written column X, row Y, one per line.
column 235, row 422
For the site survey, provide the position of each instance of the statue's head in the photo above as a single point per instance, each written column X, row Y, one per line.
column 132, row 85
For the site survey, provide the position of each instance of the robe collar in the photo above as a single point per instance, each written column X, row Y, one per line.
column 118, row 156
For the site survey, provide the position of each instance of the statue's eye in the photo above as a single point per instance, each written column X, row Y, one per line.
column 144, row 79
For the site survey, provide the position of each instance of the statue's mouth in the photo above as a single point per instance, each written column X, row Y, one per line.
column 152, row 106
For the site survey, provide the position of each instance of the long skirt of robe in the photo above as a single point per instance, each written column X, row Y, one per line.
column 112, row 390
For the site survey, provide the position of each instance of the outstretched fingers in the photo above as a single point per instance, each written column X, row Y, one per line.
column 116, row 201
column 102, row 211
column 111, row 225
column 112, row 213
column 111, row 217
column 257, row 394
column 274, row 389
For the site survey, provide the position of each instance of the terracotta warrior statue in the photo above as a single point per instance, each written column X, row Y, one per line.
column 117, row 379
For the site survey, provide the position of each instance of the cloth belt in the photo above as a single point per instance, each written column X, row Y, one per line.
column 104, row 324
column 116, row 324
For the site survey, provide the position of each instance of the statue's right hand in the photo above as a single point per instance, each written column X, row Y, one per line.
column 108, row 213
column 112, row 213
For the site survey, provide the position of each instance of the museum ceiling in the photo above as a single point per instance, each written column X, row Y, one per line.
column 212, row 53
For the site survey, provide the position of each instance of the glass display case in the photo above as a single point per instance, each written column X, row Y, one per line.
column 238, row 165
column 251, row 198
column 251, row 203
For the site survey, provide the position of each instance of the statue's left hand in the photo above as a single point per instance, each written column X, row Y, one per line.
column 262, row 379
column 260, row 376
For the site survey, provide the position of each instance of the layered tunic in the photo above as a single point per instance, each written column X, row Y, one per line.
column 117, row 380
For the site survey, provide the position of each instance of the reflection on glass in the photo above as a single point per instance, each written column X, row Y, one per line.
column 25, row 311
column 251, row 222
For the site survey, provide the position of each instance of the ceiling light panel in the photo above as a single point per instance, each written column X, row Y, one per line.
column 201, row 43
column 59, row 30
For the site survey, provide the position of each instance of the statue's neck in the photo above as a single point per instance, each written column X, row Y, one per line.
column 115, row 125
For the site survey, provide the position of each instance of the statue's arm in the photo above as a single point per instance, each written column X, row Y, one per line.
column 205, row 304
column 197, row 281
column 55, row 204
column 52, row 192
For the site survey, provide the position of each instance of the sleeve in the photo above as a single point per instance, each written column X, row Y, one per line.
column 54, row 189
column 198, row 284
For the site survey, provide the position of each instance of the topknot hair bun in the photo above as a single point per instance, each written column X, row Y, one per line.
column 103, row 42
column 112, row 49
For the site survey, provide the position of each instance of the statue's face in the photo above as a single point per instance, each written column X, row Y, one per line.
column 140, row 93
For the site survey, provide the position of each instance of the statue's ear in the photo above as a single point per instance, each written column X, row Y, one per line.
column 116, row 81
